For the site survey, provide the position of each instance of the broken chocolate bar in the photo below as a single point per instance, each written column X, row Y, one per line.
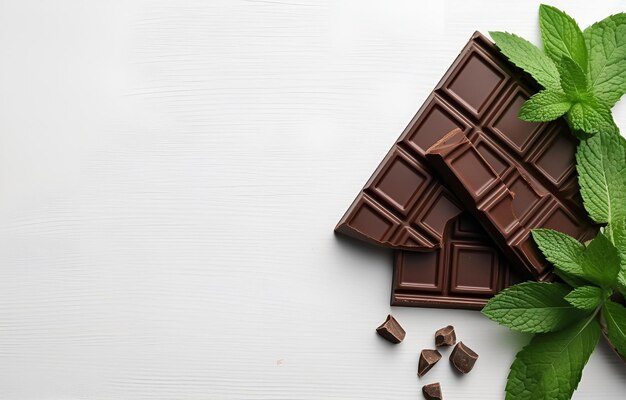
column 463, row 358
column 391, row 330
column 405, row 206
column 465, row 273
column 520, row 186
column 432, row 391
column 428, row 359
column 445, row 336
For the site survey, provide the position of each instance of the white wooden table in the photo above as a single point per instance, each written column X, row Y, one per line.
column 170, row 175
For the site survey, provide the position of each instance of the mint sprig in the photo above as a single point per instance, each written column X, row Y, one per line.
column 566, row 318
column 583, row 72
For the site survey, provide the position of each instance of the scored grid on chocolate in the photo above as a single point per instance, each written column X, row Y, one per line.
column 464, row 273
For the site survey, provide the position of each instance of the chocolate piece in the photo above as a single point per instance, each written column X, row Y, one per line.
column 445, row 336
column 519, row 190
column 428, row 359
column 391, row 330
column 463, row 358
column 465, row 273
column 432, row 391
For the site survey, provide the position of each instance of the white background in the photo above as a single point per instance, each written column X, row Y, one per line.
column 170, row 176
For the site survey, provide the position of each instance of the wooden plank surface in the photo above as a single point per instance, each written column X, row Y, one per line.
column 170, row 175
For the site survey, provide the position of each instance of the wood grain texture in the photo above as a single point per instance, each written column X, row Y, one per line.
column 170, row 175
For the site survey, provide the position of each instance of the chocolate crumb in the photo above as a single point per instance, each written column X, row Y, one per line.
column 445, row 336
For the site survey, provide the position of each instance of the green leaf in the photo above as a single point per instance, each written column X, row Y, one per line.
column 551, row 365
column 528, row 57
column 585, row 297
column 615, row 317
column 618, row 231
column 563, row 251
column 533, row 307
column 546, row 105
column 601, row 166
column 606, row 42
column 591, row 117
column 621, row 284
column 573, row 79
column 561, row 36
column 601, row 262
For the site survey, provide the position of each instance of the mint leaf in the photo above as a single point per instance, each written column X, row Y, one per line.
column 598, row 262
column 573, row 79
column 563, row 251
column 606, row 41
column 591, row 117
column 533, row 307
column 551, row 365
column 615, row 317
column 546, row 105
column 528, row 57
column 561, row 36
column 621, row 283
column 585, row 297
column 618, row 229
column 601, row 166
column 601, row 262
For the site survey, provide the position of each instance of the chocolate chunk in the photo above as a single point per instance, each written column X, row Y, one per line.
column 432, row 391
column 428, row 359
column 463, row 358
column 404, row 204
column 391, row 330
column 445, row 336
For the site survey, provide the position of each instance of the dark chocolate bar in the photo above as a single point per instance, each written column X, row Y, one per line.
column 518, row 189
column 405, row 206
column 464, row 273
